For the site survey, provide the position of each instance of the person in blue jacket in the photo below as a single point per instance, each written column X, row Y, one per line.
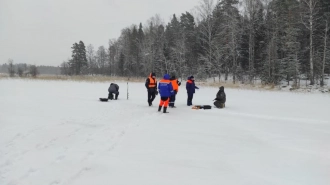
column 190, row 86
column 166, row 91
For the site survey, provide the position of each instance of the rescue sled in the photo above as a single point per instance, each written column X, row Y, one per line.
column 104, row 99
column 202, row 107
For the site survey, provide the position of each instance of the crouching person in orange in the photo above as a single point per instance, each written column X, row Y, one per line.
column 166, row 91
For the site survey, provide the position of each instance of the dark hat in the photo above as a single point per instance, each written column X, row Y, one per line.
column 221, row 88
column 153, row 74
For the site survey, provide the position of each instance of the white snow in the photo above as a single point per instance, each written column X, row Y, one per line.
column 58, row 133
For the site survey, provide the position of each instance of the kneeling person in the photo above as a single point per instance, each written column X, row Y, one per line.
column 165, row 90
column 113, row 90
column 220, row 100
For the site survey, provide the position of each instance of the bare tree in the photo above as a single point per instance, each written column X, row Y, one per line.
column 101, row 59
column 91, row 59
column 228, row 37
column 251, row 11
column 65, row 68
column 206, row 26
column 20, row 71
column 324, row 50
column 309, row 18
column 11, row 69
column 34, row 71
column 112, row 52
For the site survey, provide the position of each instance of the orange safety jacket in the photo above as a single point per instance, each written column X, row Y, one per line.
column 152, row 82
column 175, row 85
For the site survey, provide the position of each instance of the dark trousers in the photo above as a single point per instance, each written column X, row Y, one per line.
column 111, row 95
column 190, row 98
column 172, row 99
column 151, row 95
column 219, row 104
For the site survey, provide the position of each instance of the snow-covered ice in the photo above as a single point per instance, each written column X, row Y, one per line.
column 58, row 133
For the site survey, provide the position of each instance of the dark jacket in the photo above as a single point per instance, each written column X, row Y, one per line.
column 221, row 95
column 114, row 88
column 165, row 87
column 190, row 86
column 148, row 82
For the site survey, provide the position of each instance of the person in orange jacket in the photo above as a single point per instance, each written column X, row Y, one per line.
column 175, row 83
column 151, row 85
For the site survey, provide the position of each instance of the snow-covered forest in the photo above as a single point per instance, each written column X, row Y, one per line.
column 266, row 40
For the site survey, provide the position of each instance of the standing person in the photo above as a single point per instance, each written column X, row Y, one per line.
column 190, row 86
column 220, row 100
column 175, row 83
column 165, row 90
column 151, row 85
column 113, row 89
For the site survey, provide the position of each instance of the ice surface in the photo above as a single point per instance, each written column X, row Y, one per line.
column 59, row 133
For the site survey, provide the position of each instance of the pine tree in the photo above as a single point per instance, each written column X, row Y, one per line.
column 82, row 57
column 79, row 60
column 188, row 26
column 326, row 22
column 134, row 51
column 290, row 61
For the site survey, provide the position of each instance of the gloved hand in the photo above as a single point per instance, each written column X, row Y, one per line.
column 156, row 93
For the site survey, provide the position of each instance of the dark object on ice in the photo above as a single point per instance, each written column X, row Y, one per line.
column 220, row 100
column 113, row 90
column 202, row 107
column 104, row 99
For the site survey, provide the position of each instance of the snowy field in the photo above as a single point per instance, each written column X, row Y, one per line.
column 58, row 133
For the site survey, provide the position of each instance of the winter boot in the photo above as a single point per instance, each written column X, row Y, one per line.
column 110, row 97
column 222, row 105
column 160, row 108
column 164, row 111
column 150, row 104
column 217, row 104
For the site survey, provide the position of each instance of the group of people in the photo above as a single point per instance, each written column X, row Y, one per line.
column 168, row 88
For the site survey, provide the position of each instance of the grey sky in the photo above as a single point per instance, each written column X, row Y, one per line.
column 42, row 32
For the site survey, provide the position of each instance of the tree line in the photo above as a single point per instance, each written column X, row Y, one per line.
column 23, row 69
column 267, row 40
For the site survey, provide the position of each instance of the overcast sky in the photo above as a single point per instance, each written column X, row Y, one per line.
column 42, row 32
